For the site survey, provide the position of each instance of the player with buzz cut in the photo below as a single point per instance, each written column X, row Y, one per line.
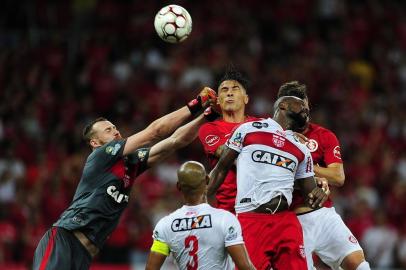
column 324, row 231
column 198, row 235
column 108, row 176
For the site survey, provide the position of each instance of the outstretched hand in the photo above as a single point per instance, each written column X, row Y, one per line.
column 206, row 98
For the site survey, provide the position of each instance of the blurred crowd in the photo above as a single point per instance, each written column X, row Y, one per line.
column 63, row 63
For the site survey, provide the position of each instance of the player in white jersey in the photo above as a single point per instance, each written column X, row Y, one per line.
column 198, row 235
column 269, row 161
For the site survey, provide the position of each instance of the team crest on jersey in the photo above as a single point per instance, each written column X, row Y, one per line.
column 312, row 145
column 192, row 223
column 337, row 152
column 302, row 251
column 273, row 159
column 112, row 150
column 259, row 125
column 278, row 141
column 212, row 139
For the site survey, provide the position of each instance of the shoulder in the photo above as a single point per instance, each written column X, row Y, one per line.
column 317, row 129
column 295, row 141
column 112, row 148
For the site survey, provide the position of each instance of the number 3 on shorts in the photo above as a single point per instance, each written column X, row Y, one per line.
column 192, row 243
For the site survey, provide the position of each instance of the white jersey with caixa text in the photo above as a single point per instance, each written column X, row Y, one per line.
column 197, row 236
column 270, row 160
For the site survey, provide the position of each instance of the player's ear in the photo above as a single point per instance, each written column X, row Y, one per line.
column 94, row 143
column 283, row 106
column 246, row 99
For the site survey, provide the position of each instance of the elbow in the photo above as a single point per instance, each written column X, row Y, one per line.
column 340, row 180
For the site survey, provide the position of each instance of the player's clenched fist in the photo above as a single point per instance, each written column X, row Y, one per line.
column 317, row 197
column 205, row 98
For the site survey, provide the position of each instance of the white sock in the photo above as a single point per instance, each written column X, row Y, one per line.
column 364, row 266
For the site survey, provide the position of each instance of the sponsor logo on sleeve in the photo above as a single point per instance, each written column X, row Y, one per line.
column 273, row 159
column 353, row 239
column 113, row 150
column 237, row 140
column 192, row 223
column 259, row 125
column 142, row 154
column 212, row 139
column 302, row 251
column 337, row 152
column 312, row 145
column 309, row 165
column 156, row 234
column 231, row 234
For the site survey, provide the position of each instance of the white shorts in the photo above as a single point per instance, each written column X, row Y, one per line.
column 325, row 233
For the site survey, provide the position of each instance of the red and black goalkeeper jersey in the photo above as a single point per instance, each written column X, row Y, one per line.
column 103, row 191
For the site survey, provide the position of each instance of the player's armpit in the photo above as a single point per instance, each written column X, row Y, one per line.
column 218, row 174
column 240, row 257
column 155, row 261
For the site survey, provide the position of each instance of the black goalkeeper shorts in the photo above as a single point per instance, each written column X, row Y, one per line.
column 60, row 249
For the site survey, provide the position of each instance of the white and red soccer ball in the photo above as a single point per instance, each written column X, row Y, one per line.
column 173, row 23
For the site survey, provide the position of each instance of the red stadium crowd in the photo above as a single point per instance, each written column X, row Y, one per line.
column 64, row 63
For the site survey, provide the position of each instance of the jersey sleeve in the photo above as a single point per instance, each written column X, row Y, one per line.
column 331, row 148
column 140, row 158
column 305, row 167
column 236, row 140
column 161, row 243
column 108, row 154
column 210, row 138
column 232, row 230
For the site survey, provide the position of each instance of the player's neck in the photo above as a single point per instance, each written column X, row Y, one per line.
column 234, row 117
column 192, row 200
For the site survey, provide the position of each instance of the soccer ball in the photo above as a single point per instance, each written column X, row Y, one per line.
column 173, row 23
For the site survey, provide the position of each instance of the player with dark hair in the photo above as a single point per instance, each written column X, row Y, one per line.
column 324, row 231
column 232, row 99
column 104, row 188
column 198, row 235
column 270, row 160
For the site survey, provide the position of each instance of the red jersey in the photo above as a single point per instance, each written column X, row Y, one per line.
column 212, row 135
column 325, row 149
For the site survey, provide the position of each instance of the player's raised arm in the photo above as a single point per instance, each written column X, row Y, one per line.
column 165, row 125
column 218, row 174
column 180, row 138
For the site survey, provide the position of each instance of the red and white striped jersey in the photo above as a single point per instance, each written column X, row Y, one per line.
column 270, row 160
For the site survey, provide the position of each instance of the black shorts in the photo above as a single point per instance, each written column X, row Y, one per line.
column 60, row 249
